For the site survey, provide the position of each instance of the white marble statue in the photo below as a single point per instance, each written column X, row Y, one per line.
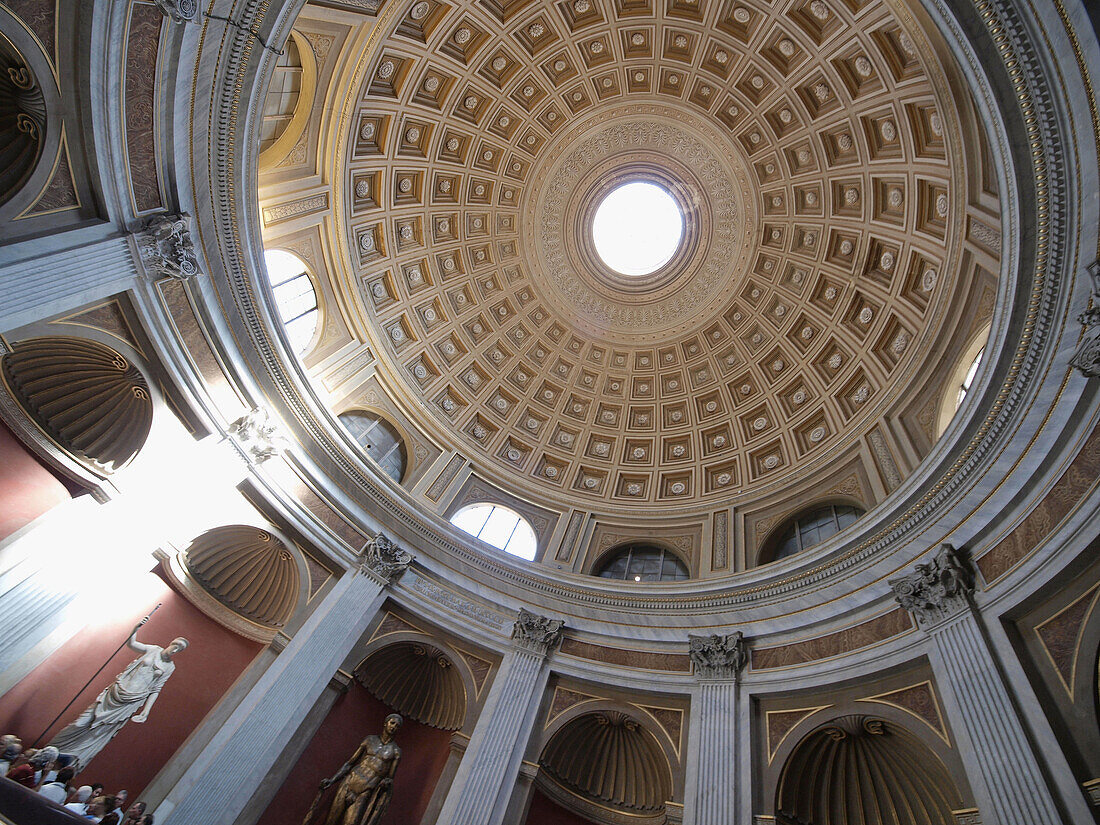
column 130, row 696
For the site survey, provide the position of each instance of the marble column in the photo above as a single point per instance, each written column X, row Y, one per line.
column 488, row 772
column 1003, row 770
column 218, row 786
column 711, row 787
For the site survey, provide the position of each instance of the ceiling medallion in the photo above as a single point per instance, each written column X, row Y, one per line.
column 640, row 143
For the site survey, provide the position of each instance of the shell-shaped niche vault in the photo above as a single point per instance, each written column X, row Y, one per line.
column 862, row 769
column 249, row 571
column 609, row 757
column 418, row 681
column 87, row 397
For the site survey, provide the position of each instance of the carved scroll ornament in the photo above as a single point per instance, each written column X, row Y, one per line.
column 718, row 657
column 933, row 592
column 166, row 249
column 537, row 633
column 384, row 558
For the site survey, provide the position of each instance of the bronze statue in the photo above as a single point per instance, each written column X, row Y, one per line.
column 367, row 780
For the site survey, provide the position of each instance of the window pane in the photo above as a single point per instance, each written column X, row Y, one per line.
column 498, row 526
column 498, row 529
column 472, row 519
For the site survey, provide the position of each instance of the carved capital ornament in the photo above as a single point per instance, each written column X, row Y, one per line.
column 718, row 657
column 166, row 249
column 255, row 436
column 385, row 559
column 936, row 591
column 1086, row 357
column 179, row 11
column 537, row 633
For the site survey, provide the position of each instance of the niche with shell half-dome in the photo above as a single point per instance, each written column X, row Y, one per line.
column 609, row 762
column 862, row 768
column 87, row 398
column 246, row 578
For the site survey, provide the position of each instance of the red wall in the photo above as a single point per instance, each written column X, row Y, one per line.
column 27, row 488
column 353, row 717
column 204, row 671
column 544, row 811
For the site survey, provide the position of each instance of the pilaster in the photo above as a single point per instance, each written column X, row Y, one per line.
column 218, row 786
column 490, row 768
column 1004, row 773
column 711, row 795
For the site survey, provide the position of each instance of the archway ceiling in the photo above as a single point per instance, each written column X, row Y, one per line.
column 819, row 146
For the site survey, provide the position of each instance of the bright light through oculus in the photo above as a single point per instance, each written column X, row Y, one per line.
column 637, row 228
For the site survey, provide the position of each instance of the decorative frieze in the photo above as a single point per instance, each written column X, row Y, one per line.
column 718, row 657
column 1086, row 357
column 166, row 249
column 934, row 592
column 537, row 633
column 384, row 558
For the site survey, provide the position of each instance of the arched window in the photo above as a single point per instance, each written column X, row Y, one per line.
column 643, row 563
column 380, row 439
column 499, row 526
column 968, row 379
column 961, row 379
column 808, row 528
column 295, row 297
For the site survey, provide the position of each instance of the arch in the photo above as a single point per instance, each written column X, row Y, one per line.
column 380, row 438
column 250, row 571
column 809, row 527
column 91, row 401
column 418, row 680
column 409, row 637
column 642, row 561
column 866, row 769
column 298, row 58
column 605, row 755
column 962, row 378
column 297, row 299
column 500, row 526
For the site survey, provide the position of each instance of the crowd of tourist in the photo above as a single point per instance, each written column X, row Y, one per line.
column 45, row 770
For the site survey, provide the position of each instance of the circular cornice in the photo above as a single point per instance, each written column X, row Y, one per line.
column 1036, row 291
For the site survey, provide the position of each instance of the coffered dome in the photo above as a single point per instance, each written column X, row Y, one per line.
column 836, row 222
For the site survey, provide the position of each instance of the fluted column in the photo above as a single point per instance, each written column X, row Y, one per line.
column 1004, row 773
column 711, row 788
column 487, row 774
column 218, row 786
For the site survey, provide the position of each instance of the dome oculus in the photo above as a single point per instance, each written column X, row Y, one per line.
column 637, row 228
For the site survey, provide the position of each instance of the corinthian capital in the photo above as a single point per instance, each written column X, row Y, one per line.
column 180, row 11
column 936, row 591
column 385, row 559
column 256, row 437
column 1086, row 357
column 718, row 657
column 165, row 247
column 537, row 633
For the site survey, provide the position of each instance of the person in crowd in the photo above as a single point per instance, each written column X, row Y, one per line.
column 97, row 789
column 119, row 810
column 45, row 765
column 97, row 808
column 79, row 803
column 111, row 814
column 58, row 790
column 147, row 819
column 10, row 747
column 134, row 814
column 22, row 771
